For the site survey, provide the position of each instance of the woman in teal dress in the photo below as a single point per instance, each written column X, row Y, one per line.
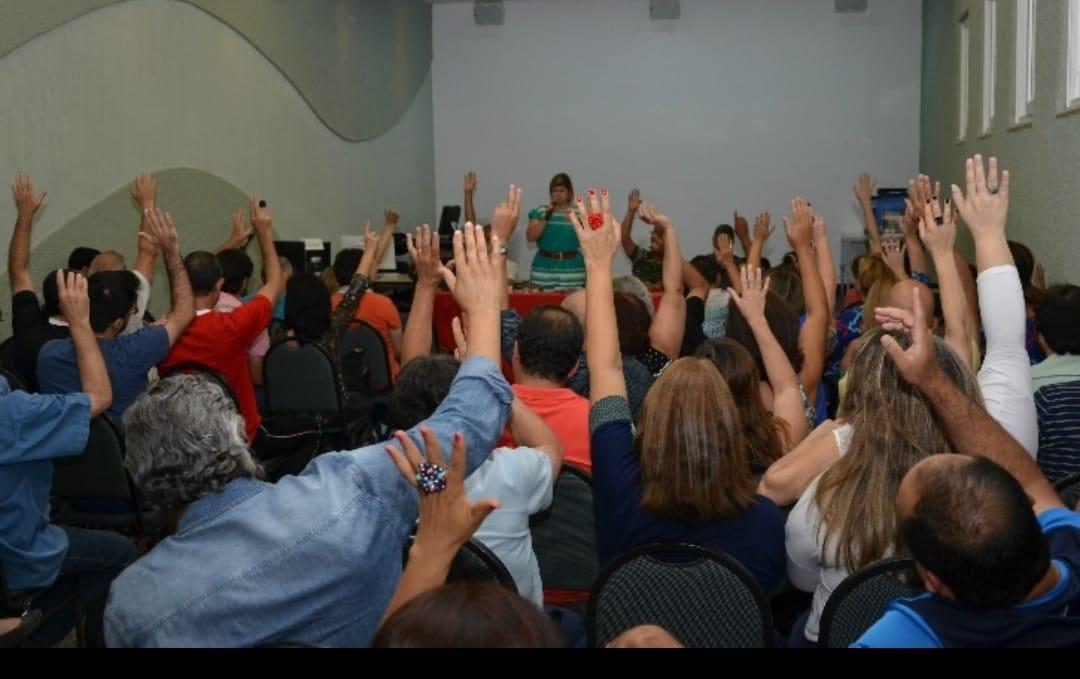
column 558, row 263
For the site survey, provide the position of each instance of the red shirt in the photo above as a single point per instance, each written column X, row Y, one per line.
column 568, row 416
column 220, row 340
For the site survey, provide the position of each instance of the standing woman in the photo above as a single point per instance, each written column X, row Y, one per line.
column 558, row 263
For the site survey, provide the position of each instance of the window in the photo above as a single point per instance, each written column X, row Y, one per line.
column 989, row 64
column 1025, row 59
column 965, row 69
column 1072, row 89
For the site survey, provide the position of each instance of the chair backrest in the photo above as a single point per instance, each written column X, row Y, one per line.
column 474, row 562
column 705, row 598
column 7, row 353
column 196, row 368
column 564, row 536
column 1068, row 487
column 860, row 600
column 14, row 379
column 363, row 337
column 94, row 488
column 299, row 377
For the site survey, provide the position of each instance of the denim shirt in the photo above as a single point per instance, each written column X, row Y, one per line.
column 313, row 558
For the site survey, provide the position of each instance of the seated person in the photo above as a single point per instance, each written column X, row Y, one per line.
column 128, row 357
column 220, row 340
column 33, row 324
column 1057, row 381
column 376, row 309
column 35, row 430
column 313, row 558
column 997, row 551
column 647, row 262
column 81, row 258
column 236, row 270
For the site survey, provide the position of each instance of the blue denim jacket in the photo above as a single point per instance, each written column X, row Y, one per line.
column 315, row 557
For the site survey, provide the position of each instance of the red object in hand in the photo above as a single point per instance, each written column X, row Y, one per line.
column 596, row 221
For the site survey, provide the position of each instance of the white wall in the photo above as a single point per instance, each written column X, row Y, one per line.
column 740, row 104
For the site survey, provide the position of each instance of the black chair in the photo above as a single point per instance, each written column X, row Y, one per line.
column 7, row 353
column 1068, row 487
column 705, row 598
column 14, row 379
column 474, row 562
column 303, row 395
column 363, row 338
column 564, row 535
column 94, row 490
column 860, row 600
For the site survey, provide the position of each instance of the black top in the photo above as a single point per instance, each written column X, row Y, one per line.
column 32, row 330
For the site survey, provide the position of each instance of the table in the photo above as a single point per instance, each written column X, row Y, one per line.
column 521, row 301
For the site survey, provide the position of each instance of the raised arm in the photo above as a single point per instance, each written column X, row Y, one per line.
column 742, row 231
column 814, row 329
column 787, row 401
column 939, row 234
column 669, row 322
column 386, row 236
column 695, row 283
column 895, row 253
column 144, row 193
column 424, row 250
column 75, row 306
column 864, row 193
column 825, row 261
column 598, row 246
column 537, row 225
column 530, row 430
column 159, row 228
column 27, row 203
column 788, row 478
column 263, row 225
column 632, row 205
column 762, row 230
column 239, row 235
column 970, row 429
column 917, row 197
column 470, row 192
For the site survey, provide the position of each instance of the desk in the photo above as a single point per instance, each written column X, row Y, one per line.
column 522, row 302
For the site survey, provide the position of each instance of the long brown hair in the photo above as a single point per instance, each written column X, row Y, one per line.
column 562, row 179
column 893, row 428
column 766, row 436
column 691, row 447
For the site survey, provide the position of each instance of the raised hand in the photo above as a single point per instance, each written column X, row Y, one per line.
column 241, row 229
column 424, row 250
column 447, row 518
column 598, row 232
column 864, row 189
column 26, row 201
column 984, row 206
column 74, row 300
column 894, row 252
column 461, row 342
column 650, row 214
column 800, row 230
column 894, row 320
column 725, row 251
column 751, row 302
column 390, row 218
column 261, row 219
column 937, row 228
column 819, row 230
column 763, row 227
column 160, row 231
column 918, row 363
column 144, row 191
column 477, row 279
column 371, row 239
column 504, row 218
column 470, row 182
column 742, row 226
column 634, row 201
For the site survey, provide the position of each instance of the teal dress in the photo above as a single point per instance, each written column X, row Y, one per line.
column 558, row 237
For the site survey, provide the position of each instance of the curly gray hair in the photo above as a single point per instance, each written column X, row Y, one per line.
column 635, row 287
column 185, row 440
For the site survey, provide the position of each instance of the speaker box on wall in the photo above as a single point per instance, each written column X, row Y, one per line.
column 488, row 12
column 851, row 6
column 664, row 10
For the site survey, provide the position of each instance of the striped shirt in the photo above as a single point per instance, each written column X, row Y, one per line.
column 1058, row 409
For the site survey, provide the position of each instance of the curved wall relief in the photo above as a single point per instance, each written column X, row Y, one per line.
column 358, row 63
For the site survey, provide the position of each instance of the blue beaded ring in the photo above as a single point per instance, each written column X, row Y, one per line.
column 431, row 478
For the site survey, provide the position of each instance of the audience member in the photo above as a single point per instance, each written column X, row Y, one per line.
column 375, row 309
column 1057, row 381
column 646, row 264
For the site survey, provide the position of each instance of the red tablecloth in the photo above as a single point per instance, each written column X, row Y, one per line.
column 522, row 302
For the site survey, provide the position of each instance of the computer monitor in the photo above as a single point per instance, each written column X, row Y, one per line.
column 310, row 260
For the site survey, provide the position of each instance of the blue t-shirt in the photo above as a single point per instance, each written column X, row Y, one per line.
column 128, row 359
column 754, row 538
column 1050, row 621
column 34, row 429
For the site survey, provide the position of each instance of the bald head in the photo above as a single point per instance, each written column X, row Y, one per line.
column 110, row 260
column 900, row 298
column 575, row 304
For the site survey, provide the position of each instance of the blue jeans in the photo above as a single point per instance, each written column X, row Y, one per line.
column 93, row 559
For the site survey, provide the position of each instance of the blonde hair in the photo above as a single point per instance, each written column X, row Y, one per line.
column 893, row 428
column 877, row 296
column 691, row 446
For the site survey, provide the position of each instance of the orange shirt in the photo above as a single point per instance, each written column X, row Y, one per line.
column 568, row 416
column 381, row 313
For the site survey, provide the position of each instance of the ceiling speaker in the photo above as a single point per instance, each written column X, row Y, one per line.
column 664, row 10
column 851, row 6
column 488, row 12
